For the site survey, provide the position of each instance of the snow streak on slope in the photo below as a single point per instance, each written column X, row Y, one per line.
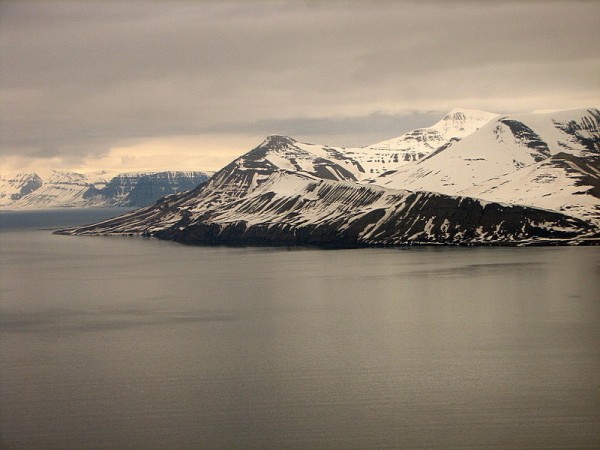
column 276, row 153
column 294, row 208
column 415, row 145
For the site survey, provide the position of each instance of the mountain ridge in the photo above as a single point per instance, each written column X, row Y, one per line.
column 419, row 143
column 284, row 192
column 63, row 188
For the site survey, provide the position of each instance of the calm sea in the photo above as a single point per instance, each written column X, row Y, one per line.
column 136, row 343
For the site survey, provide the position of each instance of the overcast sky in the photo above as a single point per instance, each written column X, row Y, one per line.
column 128, row 85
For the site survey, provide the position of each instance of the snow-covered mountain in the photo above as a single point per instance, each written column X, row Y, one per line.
column 417, row 144
column 490, row 163
column 294, row 208
column 100, row 189
column 275, row 154
column 12, row 188
column 286, row 192
column 59, row 189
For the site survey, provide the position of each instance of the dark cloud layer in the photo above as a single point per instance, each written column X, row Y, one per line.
column 79, row 77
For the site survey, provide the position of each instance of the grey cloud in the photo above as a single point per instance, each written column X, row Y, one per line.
column 347, row 131
column 80, row 76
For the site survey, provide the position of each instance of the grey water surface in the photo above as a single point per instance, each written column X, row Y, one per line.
column 109, row 342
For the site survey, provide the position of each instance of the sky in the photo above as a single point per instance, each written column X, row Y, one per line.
column 157, row 85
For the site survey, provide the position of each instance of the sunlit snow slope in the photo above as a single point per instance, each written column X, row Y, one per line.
column 417, row 144
column 543, row 160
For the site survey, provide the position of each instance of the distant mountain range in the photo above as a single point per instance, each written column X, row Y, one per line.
column 472, row 178
column 72, row 189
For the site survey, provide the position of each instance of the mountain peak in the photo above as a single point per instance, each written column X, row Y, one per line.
column 417, row 144
column 67, row 177
column 21, row 176
column 277, row 140
column 463, row 114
